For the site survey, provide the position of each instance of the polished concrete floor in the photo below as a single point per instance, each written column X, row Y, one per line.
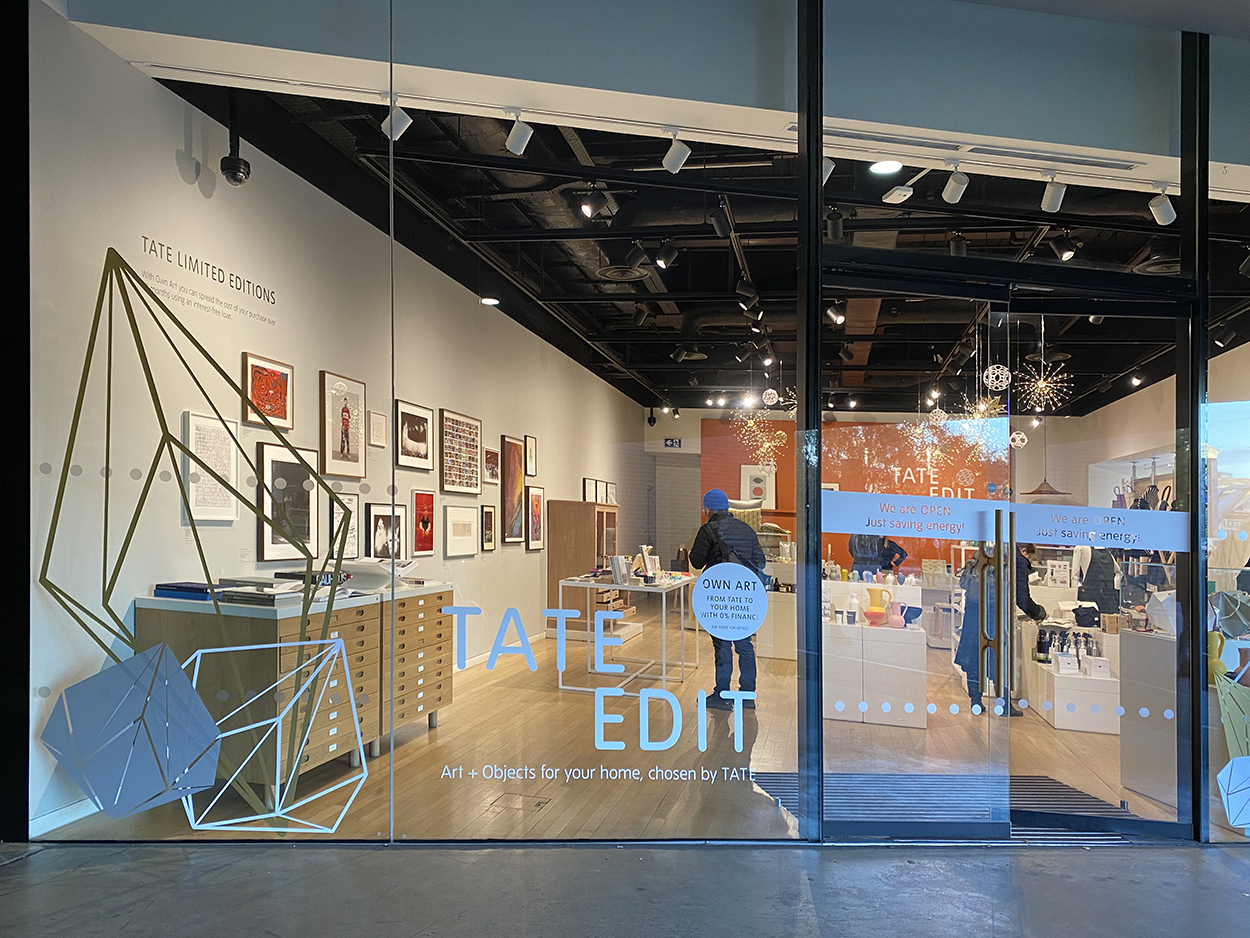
column 311, row 890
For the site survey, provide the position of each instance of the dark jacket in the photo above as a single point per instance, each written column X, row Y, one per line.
column 1099, row 584
column 891, row 553
column 737, row 536
column 966, row 653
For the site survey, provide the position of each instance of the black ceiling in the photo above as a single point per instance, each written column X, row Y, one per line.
column 511, row 227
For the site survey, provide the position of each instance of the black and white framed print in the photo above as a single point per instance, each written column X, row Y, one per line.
column 588, row 490
column 289, row 496
column 351, row 550
column 414, row 436
column 377, row 428
column 212, row 444
column 385, row 530
column 460, row 529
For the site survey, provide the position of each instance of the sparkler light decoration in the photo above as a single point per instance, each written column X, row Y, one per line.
column 754, row 430
column 1044, row 387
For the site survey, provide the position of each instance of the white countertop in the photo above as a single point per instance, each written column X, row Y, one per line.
column 248, row 611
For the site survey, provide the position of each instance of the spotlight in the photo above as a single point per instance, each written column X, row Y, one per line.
column 929, row 402
column 953, row 191
column 678, row 354
column 749, row 295
column 1064, row 248
column 852, row 403
column 519, row 135
column 1244, row 269
column 636, row 257
column 1052, row 197
column 935, row 393
column 885, row 167
column 742, row 355
column 1136, row 380
column 747, row 400
column 651, row 418
column 766, row 359
column 836, row 314
column 826, row 170
column 720, row 401
column 1104, row 386
column 1096, row 320
column 833, row 225
column 709, row 402
column 234, row 168
column 720, row 223
column 1037, row 422
column 1162, row 209
column 396, row 122
column 676, row 156
column 755, row 328
column 640, row 314
column 489, row 301
column 1224, row 337
column 667, row 256
column 846, row 354
column 898, row 194
column 665, row 409
column 593, row 203
column 692, row 381
column 1037, row 409
column 676, row 414
column 957, row 246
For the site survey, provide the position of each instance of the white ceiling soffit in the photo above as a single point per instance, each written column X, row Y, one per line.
column 183, row 58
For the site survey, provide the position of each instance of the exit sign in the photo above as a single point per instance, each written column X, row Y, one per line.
column 671, row 442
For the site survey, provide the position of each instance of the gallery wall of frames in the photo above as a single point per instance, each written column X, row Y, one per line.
column 285, row 293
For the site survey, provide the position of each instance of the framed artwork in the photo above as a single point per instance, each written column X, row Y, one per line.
column 270, row 388
column 611, row 493
column 460, row 453
column 288, row 494
column 601, row 491
column 377, row 428
column 212, row 443
column 588, row 490
column 490, row 465
column 422, row 523
column 343, row 418
column 756, row 484
column 535, row 525
column 384, row 530
column 461, row 530
column 512, row 496
column 531, row 456
column 489, row 535
column 414, row 435
column 351, row 551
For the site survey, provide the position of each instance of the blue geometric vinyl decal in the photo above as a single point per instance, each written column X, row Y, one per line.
column 1234, row 782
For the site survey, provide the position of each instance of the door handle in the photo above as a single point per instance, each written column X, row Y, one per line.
column 998, row 615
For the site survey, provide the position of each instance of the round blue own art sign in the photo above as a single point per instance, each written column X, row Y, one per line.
column 729, row 601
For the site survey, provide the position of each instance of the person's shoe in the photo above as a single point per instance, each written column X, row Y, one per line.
column 716, row 702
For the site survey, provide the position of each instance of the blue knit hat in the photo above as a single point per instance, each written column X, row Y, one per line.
column 716, row 500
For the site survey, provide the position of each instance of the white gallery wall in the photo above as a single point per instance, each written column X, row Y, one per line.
column 140, row 163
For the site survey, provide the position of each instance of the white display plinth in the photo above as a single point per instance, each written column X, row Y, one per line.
column 875, row 666
column 1081, row 691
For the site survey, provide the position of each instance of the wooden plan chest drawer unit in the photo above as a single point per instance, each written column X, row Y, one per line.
column 421, row 639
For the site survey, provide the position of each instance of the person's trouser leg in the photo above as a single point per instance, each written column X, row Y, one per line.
column 724, row 664
column 746, row 663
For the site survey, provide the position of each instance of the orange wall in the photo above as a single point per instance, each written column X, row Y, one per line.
column 864, row 457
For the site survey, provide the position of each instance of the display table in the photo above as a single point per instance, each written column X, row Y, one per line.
column 875, row 666
column 837, row 593
column 778, row 636
column 1038, row 683
column 643, row 672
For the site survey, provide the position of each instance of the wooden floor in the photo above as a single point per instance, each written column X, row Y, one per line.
column 512, row 720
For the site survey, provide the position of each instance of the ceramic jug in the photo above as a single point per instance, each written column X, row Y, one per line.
column 876, row 611
column 1215, row 648
column 897, row 619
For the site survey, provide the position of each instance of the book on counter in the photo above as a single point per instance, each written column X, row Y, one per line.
column 187, row 590
column 289, row 593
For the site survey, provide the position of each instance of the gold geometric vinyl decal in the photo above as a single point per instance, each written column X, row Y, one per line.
column 131, row 323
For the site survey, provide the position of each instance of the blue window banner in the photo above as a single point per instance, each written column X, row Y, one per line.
column 972, row 519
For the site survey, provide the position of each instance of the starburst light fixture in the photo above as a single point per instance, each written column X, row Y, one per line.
column 754, row 430
column 1044, row 387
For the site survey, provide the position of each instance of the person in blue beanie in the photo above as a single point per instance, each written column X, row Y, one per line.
column 725, row 539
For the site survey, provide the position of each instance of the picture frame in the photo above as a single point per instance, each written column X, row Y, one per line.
column 385, row 530
column 588, row 489
column 512, row 490
column 601, row 492
column 291, row 504
column 489, row 529
column 460, row 453
column 343, row 419
column 269, row 386
column 490, row 465
column 351, row 550
column 377, row 428
column 423, row 523
column 531, row 456
column 414, row 436
column 212, row 442
column 755, row 484
column 460, row 530
column 611, row 493
column 535, row 518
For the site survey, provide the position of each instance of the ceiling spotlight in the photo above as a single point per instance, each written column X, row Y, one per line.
column 1162, row 209
column 664, row 409
column 836, row 314
column 720, row 401
column 720, row 223
column 489, row 301
column 742, row 355
column 953, row 191
column 636, row 257
column 898, row 194
column 935, row 393
column 676, row 414
column 678, row 354
column 1096, row 320
column 593, row 203
column 1064, row 248
column 852, row 403
column 396, row 122
column 693, row 381
column 826, row 170
column 833, row 225
column 885, row 167
column 1037, row 421
column 234, row 169
column 957, row 246
column 640, row 314
column 519, row 135
column 766, row 359
column 1136, row 380
column 676, row 156
column 709, row 402
column 749, row 295
column 846, row 354
column 1224, row 337
column 929, row 402
column 1104, row 386
column 1052, row 197
column 747, row 400
column 667, row 256
column 1244, row 269
column 755, row 328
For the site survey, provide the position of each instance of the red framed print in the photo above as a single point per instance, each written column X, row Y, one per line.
column 270, row 389
column 422, row 523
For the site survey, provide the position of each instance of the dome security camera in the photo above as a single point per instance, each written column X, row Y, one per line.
column 651, row 421
column 235, row 170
